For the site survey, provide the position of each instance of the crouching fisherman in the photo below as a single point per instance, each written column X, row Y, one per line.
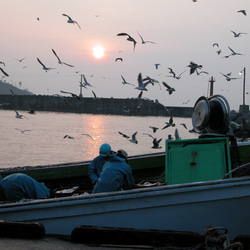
column 19, row 186
column 116, row 174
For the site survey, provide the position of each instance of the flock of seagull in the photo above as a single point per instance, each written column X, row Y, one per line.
column 143, row 82
column 156, row 142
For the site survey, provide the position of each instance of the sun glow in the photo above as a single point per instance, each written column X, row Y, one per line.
column 98, row 51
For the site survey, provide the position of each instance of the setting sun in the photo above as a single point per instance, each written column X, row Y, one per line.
column 98, row 51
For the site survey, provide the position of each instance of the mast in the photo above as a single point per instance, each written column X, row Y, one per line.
column 211, row 81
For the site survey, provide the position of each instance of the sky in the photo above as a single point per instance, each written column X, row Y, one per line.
column 182, row 31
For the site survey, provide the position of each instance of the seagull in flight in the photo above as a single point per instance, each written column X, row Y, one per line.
column 20, row 60
column 169, row 89
column 124, row 135
column 4, row 72
column 69, row 137
column 156, row 143
column 243, row 12
column 131, row 39
column 172, row 72
column 142, row 40
column 141, row 85
column 44, row 67
column 233, row 52
column 154, row 128
column 22, row 131
column 133, row 139
column 89, row 136
column 86, row 83
column 229, row 78
column 59, row 60
column 238, row 34
column 157, row 65
column 193, row 66
column 124, row 81
column 198, row 73
column 72, row 94
column 70, row 20
column 184, row 125
column 170, row 123
column 179, row 76
column 119, row 59
column 19, row 116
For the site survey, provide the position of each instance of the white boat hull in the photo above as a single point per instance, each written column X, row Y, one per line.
column 185, row 207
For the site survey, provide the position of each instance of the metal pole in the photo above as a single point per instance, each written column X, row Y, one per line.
column 244, row 83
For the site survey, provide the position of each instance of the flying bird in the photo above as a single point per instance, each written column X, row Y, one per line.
column 142, row 40
column 170, row 123
column 44, row 67
column 154, row 128
column 20, row 60
column 157, row 65
column 4, row 72
column 124, row 81
column 238, row 34
column 69, row 137
column 156, row 143
column 2, row 63
column 131, row 39
column 169, row 89
column 184, row 125
column 22, row 131
column 4, row 104
column 125, row 136
column 94, row 94
column 171, row 72
column 59, row 60
column 86, row 83
column 71, row 21
column 243, row 12
column 72, row 94
column 233, row 52
column 119, row 59
column 228, row 78
column 19, row 116
column 193, row 66
column 179, row 76
column 133, row 139
column 141, row 85
column 201, row 72
column 89, row 136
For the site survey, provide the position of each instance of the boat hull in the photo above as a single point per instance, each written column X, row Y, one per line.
column 184, row 207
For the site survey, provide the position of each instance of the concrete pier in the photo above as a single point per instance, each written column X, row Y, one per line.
column 110, row 106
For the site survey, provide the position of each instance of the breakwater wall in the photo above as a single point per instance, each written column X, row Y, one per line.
column 110, row 106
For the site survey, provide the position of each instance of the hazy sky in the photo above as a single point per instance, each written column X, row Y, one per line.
column 182, row 30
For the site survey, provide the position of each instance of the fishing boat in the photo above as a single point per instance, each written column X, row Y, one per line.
column 203, row 184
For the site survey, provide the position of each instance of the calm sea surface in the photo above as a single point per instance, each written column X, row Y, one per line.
column 44, row 143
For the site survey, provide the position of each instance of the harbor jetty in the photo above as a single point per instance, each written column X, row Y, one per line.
column 106, row 106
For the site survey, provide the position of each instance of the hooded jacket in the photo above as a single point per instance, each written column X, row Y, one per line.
column 115, row 175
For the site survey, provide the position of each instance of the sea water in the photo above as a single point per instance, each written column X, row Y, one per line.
column 39, row 139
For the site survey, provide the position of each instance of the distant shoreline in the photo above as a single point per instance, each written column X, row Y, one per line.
column 107, row 106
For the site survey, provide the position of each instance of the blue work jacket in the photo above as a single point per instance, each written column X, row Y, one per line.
column 19, row 186
column 115, row 175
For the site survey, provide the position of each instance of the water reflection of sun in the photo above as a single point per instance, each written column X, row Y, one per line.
column 94, row 127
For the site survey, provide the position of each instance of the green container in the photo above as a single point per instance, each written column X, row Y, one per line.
column 197, row 160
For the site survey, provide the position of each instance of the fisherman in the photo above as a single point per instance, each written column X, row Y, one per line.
column 15, row 187
column 116, row 174
column 95, row 167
